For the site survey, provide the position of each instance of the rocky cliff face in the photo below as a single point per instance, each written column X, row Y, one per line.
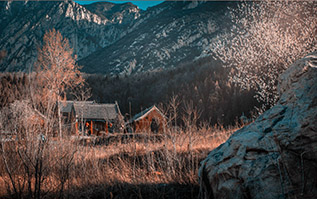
column 89, row 28
column 113, row 38
column 276, row 156
column 166, row 35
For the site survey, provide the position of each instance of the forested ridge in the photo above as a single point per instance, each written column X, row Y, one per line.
column 204, row 83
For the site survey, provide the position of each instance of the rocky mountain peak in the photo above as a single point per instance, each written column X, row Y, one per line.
column 115, row 12
column 77, row 12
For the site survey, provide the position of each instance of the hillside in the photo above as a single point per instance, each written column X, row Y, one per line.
column 23, row 25
column 167, row 35
column 113, row 38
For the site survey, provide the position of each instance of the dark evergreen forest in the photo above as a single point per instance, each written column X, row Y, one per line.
column 203, row 84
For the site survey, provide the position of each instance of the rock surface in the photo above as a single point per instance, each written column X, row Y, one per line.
column 275, row 156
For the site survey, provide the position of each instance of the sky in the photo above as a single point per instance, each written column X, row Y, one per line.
column 141, row 4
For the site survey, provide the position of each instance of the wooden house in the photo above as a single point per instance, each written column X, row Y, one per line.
column 149, row 120
column 90, row 118
column 68, row 114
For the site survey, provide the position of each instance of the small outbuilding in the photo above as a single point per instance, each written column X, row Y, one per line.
column 149, row 120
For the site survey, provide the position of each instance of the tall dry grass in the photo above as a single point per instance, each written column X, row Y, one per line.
column 119, row 166
column 142, row 165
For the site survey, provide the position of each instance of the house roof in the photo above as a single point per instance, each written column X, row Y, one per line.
column 144, row 113
column 97, row 111
column 91, row 110
column 66, row 107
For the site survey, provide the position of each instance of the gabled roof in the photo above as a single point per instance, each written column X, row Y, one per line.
column 91, row 110
column 66, row 107
column 144, row 113
column 97, row 111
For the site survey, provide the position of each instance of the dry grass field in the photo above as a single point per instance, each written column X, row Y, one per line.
column 118, row 166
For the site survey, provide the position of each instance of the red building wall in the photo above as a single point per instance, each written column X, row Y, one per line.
column 145, row 123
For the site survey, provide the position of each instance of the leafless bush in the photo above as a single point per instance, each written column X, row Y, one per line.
column 32, row 164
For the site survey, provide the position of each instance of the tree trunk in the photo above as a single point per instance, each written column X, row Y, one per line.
column 59, row 121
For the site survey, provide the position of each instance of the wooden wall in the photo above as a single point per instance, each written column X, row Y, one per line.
column 145, row 123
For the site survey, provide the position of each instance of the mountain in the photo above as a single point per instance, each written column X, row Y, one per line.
column 113, row 38
column 88, row 28
column 167, row 35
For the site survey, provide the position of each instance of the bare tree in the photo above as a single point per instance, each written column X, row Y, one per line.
column 56, row 71
column 82, row 92
column 174, row 104
column 266, row 38
column 28, row 156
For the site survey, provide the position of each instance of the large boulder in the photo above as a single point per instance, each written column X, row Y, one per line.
column 275, row 156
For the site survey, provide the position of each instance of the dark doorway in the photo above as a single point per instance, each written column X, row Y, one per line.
column 154, row 125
